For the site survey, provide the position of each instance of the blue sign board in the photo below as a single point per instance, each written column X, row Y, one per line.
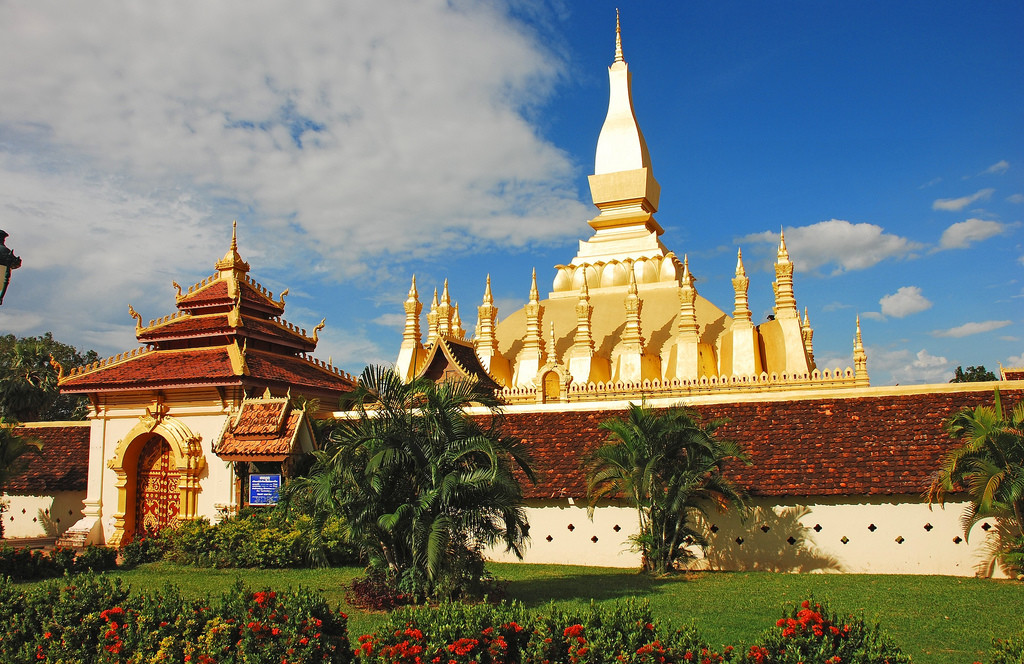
column 264, row 489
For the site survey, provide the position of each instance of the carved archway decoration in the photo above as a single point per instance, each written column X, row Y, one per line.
column 186, row 460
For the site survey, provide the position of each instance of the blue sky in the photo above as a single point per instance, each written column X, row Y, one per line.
column 359, row 143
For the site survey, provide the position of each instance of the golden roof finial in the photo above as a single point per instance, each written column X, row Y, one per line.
column 534, row 293
column 445, row 298
column 740, row 272
column 783, row 252
column 488, row 298
column 319, row 326
column 413, row 293
column 232, row 261
column 618, row 38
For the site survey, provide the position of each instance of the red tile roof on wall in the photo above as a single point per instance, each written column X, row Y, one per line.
column 61, row 465
column 824, row 447
column 262, row 431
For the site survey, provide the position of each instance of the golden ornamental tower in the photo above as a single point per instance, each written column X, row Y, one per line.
column 623, row 318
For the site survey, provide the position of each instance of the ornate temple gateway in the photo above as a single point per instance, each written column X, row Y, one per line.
column 179, row 423
column 623, row 318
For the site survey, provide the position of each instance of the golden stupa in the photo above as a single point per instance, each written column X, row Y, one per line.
column 623, row 318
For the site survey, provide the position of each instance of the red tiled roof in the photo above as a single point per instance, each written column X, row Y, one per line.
column 61, row 465
column 1013, row 373
column 296, row 371
column 217, row 324
column 260, row 433
column 193, row 366
column 854, row 446
column 207, row 366
column 212, row 294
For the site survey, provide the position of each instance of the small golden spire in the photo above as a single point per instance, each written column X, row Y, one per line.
column 232, row 261
column 488, row 298
column 445, row 298
column 783, row 252
column 618, row 38
column 534, row 293
column 413, row 293
column 740, row 272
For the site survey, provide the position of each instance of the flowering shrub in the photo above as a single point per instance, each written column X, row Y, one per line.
column 625, row 632
column 92, row 619
column 812, row 633
column 486, row 634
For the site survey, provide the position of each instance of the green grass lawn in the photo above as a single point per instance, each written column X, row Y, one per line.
column 935, row 619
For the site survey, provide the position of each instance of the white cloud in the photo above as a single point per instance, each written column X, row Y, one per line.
column 840, row 243
column 997, row 168
column 905, row 301
column 873, row 315
column 956, row 204
column 347, row 137
column 961, row 234
column 930, row 183
column 1014, row 361
column 906, row 369
column 396, row 321
column 1015, row 198
column 968, row 329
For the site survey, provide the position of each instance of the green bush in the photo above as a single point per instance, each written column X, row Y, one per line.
column 27, row 564
column 260, row 539
column 1007, row 651
column 96, row 559
column 142, row 550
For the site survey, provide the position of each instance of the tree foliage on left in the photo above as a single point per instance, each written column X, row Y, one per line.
column 423, row 487
column 28, row 381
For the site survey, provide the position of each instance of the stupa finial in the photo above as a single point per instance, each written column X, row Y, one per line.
column 232, row 262
column 618, row 38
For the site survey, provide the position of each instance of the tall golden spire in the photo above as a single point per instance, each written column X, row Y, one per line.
column 432, row 320
column 807, row 332
column 740, row 282
column 411, row 350
column 631, row 334
column 583, row 342
column 860, row 358
column 785, row 301
column 688, row 328
column 487, row 315
column 444, row 313
column 531, row 358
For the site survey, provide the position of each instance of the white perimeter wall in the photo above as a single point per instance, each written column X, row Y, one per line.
column 907, row 537
column 42, row 516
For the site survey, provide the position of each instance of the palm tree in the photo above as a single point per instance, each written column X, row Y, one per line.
column 669, row 467
column 989, row 466
column 423, row 486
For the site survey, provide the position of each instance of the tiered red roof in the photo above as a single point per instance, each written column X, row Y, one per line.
column 886, row 445
column 228, row 331
column 265, row 429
